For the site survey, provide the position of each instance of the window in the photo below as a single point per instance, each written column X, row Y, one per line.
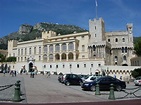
column 44, row 66
column 57, row 47
column 122, row 49
column 70, row 46
column 56, row 66
column 21, row 51
column 50, row 66
column 29, row 50
column 45, row 57
column 39, row 58
column 45, row 48
column 85, row 65
column 51, row 57
column 39, row 50
column 125, row 49
column 64, row 47
column 123, row 39
column 77, row 65
column 95, row 27
column 63, row 66
column 108, row 40
column 18, row 51
column 116, row 40
column 94, row 47
column 116, row 58
column 51, row 48
column 83, row 47
column 34, row 50
column 124, row 57
column 99, row 65
column 25, row 51
column 95, row 35
column 91, row 65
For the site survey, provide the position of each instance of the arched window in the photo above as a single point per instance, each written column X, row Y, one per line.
column 123, row 39
column 64, row 47
column 51, row 57
column 57, row 56
column 45, row 57
column 45, row 48
column 51, row 48
column 124, row 57
column 57, row 47
column 116, row 40
column 34, row 50
column 29, row 50
column 70, row 46
column 63, row 56
column 40, row 50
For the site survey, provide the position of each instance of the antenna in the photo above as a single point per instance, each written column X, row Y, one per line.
column 96, row 8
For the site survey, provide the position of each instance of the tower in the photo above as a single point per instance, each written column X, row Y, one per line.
column 97, row 30
column 130, row 32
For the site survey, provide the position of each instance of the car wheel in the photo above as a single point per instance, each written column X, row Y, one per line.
column 118, row 88
column 92, row 88
column 67, row 83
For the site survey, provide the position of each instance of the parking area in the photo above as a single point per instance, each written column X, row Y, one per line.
column 41, row 89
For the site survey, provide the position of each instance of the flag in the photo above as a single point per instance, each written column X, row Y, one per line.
column 96, row 3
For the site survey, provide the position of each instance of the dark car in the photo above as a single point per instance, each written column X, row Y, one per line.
column 72, row 79
column 60, row 78
column 104, row 84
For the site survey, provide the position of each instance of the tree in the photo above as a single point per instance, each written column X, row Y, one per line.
column 136, row 72
column 137, row 47
column 2, row 58
column 11, row 59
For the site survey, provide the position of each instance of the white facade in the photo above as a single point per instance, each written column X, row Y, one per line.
column 81, row 53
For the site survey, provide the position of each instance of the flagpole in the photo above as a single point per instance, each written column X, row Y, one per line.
column 96, row 8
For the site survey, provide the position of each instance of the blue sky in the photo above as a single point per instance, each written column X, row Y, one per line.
column 116, row 13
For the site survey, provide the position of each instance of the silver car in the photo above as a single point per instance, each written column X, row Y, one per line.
column 137, row 81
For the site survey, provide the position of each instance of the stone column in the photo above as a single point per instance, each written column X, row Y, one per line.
column 60, row 57
column 60, row 45
column 47, row 52
column 74, row 56
column 67, row 47
column 74, row 46
column 67, row 56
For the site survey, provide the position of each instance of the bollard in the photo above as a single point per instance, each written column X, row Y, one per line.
column 112, row 95
column 19, row 86
column 97, row 91
column 17, row 93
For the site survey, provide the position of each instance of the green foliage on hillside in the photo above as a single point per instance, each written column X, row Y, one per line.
column 136, row 72
column 137, row 47
column 36, row 33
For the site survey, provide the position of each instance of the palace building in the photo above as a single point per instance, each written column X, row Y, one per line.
column 81, row 53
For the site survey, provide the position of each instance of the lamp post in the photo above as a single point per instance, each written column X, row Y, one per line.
column 70, row 68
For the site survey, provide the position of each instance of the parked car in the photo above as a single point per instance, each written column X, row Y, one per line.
column 83, row 77
column 60, row 78
column 91, row 78
column 137, row 81
column 104, row 84
column 72, row 79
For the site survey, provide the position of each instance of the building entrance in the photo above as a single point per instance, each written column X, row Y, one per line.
column 30, row 67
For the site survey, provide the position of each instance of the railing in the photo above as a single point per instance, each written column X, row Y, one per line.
column 131, row 91
column 17, row 92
